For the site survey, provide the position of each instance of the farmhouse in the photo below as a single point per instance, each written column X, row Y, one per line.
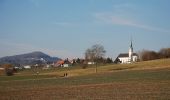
column 27, row 67
column 127, row 57
column 63, row 63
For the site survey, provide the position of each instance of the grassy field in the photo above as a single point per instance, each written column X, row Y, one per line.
column 142, row 80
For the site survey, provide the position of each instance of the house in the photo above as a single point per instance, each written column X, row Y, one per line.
column 47, row 66
column 59, row 63
column 2, row 68
column 90, row 63
column 27, row 67
column 65, row 65
column 127, row 57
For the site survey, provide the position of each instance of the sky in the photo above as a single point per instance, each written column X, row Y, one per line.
column 66, row 28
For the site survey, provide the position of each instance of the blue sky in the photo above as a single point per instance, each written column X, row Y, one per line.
column 66, row 28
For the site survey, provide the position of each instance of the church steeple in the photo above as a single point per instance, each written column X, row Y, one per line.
column 131, row 52
column 131, row 46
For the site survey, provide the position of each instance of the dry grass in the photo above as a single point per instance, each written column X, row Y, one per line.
column 116, row 90
column 155, row 64
column 142, row 80
column 78, row 71
column 134, row 84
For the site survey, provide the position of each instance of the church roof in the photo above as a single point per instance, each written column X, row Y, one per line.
column 126, row 55
column 123, row 55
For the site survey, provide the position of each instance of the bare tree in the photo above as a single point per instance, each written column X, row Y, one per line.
column 89, row 56
column 164, row 53
column 146, row 55
column 95, row 53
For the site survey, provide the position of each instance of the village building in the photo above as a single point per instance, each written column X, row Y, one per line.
column 59, row 63
column 63, row 63
column 27, row 67
column 127, row 57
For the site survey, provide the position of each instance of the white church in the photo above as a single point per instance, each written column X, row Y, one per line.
column 127, row 57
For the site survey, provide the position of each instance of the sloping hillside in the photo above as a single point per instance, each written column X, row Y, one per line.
column 154, row 64
column 28, row 59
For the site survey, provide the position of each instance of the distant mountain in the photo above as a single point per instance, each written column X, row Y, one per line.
column 29, row 59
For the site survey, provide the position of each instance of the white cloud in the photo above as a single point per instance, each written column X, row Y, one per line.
column 119, row 20
column 123, row 14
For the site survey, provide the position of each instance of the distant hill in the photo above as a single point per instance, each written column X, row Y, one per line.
column 29, row 59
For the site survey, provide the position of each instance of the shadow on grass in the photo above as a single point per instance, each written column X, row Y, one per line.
column 125, row 68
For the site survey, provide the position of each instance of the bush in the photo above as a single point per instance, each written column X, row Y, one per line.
column 9, row 72
column 146, row 55
column 164, row 53
column 84, row 66
column 151, row 55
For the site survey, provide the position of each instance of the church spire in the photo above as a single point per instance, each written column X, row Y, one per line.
column 131, row 45
column 131, row 51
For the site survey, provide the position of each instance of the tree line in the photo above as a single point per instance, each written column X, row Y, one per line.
column 146, row 55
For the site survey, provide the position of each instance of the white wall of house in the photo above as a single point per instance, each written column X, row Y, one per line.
column 65, row 65
column 2, row 68
column 135, row 58
column 124, row 59
column 27, row 67
column 91, row 63
column 127, row 59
